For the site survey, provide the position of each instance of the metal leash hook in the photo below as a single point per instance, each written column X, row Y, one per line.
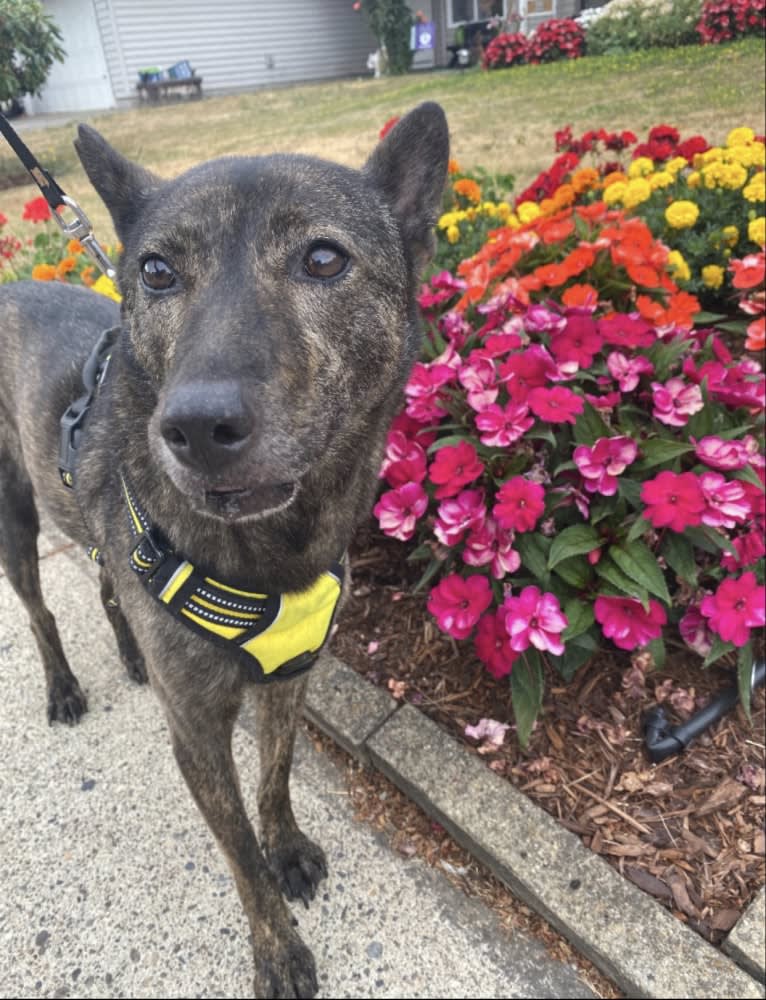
column 80, row 229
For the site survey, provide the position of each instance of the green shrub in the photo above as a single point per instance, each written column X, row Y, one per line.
column 628, row 25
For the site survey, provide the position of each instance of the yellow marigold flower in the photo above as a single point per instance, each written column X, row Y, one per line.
column 584, row 179
column 637, row 191
column 740, row 136
column 675, row 165
column 681, row 214
column 105, row 286
column 735, row 176
column 513, row 221
column 74, row 246
column 43, row 272
column 662, row 179
column 712, row 276
column 453, row 234
column 694, row 178
column 679, row 269
column 730, row 235
column 453, row 167
column 503, row 211
column 756, row 189
column 450, row 219
column 489, row 208
column 468, row 189
column 712, row 155
column 640, row 167
column 756, row 230
column 615, row 192
column 470, row 214
column 616, row 177
column 528, row 211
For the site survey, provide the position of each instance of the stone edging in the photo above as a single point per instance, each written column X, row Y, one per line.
column 623, row 931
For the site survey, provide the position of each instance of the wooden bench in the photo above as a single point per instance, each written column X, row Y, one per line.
column 156, row 90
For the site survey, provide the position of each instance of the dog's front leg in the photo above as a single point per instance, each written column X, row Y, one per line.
column 298, row 862
column 201, row 728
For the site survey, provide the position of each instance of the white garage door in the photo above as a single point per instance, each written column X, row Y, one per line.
column 81, row 82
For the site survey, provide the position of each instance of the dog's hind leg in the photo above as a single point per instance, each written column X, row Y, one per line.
column 130, row 654
column 19, row 528
column 298, row 862
column 201, row 718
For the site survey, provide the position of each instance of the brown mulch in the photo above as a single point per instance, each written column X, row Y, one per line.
column 689, row 831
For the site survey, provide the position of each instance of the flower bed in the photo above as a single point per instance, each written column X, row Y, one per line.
column 576, row 461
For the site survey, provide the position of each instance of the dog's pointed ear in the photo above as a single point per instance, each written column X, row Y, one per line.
column 121, row 184
column 409, row 167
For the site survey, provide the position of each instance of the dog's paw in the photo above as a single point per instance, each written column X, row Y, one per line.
column 66, row 701
column 299, row 865
column 287, row 972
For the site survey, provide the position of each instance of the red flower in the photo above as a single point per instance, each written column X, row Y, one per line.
column 493, row 644
column 520, row 504
column 454, row 467
column 626, row 623
column 672, row 500
column 557, row 405
column 37, row 210
column 388, row 126
column 457, row 604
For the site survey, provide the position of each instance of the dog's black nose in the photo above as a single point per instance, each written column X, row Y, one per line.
column 207, row 425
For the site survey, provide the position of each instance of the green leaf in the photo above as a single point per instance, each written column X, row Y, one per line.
column 542, row 434
column 579, row 614
column 533, row 549
column 573, row 541
column 679, row 555
column 624, row 584
column 657, row 451
column 451, row 439
column 704, row 318
column 748, row 475
column 630, row 491
column 576, row 653
column 745, row 677
column 575, row 571
column 527, row 692
column 639, row 527
column 590, row 426
column 659, row 654
column 420, row 553
column 719, row 648
column 664, row 355
column 640, row 564
column 430, row 572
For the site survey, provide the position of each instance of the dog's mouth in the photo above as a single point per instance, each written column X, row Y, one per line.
column 234, row 502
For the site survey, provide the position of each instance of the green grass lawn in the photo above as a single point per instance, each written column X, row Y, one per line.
column 503, row 120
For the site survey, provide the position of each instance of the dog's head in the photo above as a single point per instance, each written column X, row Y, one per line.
column 270, row 302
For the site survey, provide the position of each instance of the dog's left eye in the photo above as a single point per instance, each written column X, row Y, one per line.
column 157, row 274
column 323, row 260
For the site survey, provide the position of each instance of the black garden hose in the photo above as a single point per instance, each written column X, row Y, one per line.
column 662, row 740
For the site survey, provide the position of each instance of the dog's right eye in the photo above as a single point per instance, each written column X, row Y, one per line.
column 157, row 275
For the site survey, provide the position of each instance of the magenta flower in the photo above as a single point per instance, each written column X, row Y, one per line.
column 676, row 401
column 455, row 327
column 579, row 341
column 535, row 619
column 540, row 319
column 600, row 465
column 720, row 454
column 727, row 503
column 425, row 402
column 748, row 549
column 695, row 631
column 455, row 517
column 493, row 645
column 627, row 330
column 735, row 608
column 404, row 460
column 502, row 425
column 520, row 503
column 529, row 369
column 398, row 510
column 556, row 406
column 454, row 467
column 674, row 501
column 479, row 378
column 628, row 371
column 489, row 544
column 457, row 604
column 626, row 623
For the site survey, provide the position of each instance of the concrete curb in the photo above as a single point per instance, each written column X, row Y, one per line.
column 624, row 932
column 746, row 942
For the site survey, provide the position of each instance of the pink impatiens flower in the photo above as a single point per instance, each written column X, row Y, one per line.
column 628, row 371
column 535, row 619
column 520, row 503
column 555, row 406
column 600, row 465
column 502, row 425
column 674, row 501
column 735, row 608
column 489, row 544
column 626, row 623
column 456, row 516
column 695, row 631
column 398, row 510
column 457, row 604
column 727, row 504
column 404, row 460
column 493, row 644
column 720, row 454
column 676, row 401
column 748, row 549
column 453, row 467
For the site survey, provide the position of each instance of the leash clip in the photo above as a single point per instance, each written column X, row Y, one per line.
column 80, row 229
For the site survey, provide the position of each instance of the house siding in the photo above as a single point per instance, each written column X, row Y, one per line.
column 233, row 44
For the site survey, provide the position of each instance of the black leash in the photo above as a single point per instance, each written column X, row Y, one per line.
column 78, row 228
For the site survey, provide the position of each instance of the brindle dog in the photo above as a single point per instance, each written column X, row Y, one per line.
column 268, row 325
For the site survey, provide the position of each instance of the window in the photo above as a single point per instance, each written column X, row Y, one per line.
column 461, row 11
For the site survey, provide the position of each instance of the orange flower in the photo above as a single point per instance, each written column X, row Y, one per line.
column 453, row 167
column 555, row 230
column 579, row 260
column 88, row 275
column 552, row 275
column 580, row 296
column 584, row 179
column 748, row 272
column 65, row 266
column 564, row 196
column 756, row 335
column 613, row 178
column 43, row 272
column 468, row 189
column 682, row 309
column 74, row 246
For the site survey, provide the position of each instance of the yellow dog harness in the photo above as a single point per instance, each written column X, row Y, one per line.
column 281, row 634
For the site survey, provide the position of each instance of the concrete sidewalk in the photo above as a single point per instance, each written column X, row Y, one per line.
column 112, row 886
